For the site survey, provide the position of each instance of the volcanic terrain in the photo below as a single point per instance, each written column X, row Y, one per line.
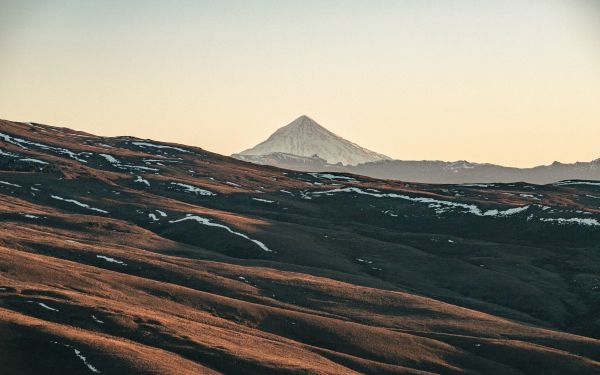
column 124, row 256
column 304, row 145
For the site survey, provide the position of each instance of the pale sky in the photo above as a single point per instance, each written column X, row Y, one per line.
column 510, row 82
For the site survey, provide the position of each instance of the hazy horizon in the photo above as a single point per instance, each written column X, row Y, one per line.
column 512, row 84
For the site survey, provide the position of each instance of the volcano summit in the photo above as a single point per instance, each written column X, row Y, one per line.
column 306, row 138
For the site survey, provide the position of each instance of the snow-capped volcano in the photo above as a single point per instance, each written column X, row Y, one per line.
column 304, row 137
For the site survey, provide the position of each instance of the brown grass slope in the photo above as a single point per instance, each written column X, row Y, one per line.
column 121, row 255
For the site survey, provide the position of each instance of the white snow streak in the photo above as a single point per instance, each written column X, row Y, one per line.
column 6, row 153
column 21, row 142
column 563, row 183
column 205, row 221
column 193, row 189
column 9, row 184
column 31, row 160
column 434, row 203
column 80, row 356
column 146, row 144
column 440, row 206
column 45, row 306
column 477, row 185
column 329, row 176
column 79, row 204
column 510, row 211
column 263, row 200
column 116, row 163
column 573, row 220
column 111, row 260
column 111, row 159
column 139, row 179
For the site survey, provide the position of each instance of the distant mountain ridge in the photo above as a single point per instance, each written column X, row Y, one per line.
column 438, row 172
column 304, row 156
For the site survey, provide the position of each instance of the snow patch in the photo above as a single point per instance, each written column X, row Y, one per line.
column 141, row 180
column 563, row 183
column 305, row 138
column 158, row 161
column 207, row 222
column 116, row 163
column 111, row 260
column 79, row 204
column 478, row 185
column 509, row 212
column 10, row 184
column 6, row 153
column 389, row 213
column 439, row 205
column 329, row 176
column 31, row 160
column 111, row 159
column 45, row 306
column 80, row 356
column 63, row 151
column 263, row 200
column 152, row 145
column 193, row 189
column 574, row 220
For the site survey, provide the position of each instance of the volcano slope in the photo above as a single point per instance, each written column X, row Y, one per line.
column 122, row 255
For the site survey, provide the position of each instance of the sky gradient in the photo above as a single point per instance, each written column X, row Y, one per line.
column 508, row 82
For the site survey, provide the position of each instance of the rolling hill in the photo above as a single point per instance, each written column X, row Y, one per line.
column 124, row 255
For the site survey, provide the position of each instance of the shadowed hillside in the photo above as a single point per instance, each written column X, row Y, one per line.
column 123, row 255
